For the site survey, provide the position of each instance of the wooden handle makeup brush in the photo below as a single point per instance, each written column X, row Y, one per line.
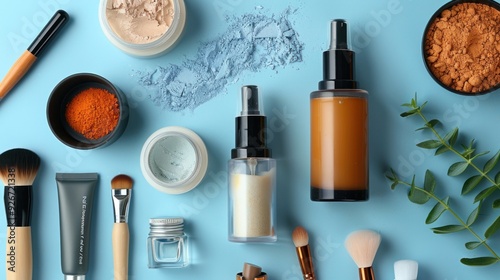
column 121, row 190
column 29, row 56
column 301, row 241
column 18, row 169
column 362, row 245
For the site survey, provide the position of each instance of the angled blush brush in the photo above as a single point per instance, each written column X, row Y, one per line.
column 29, row 56
column 121, row 190
column 18, row 169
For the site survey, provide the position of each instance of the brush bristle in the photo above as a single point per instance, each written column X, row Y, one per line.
column 300, row 237
column 362, row 245
column 18, row 167
column 122, row 181
column 406, row 270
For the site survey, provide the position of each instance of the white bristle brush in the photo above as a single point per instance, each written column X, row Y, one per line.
column 362, row 245
column 300, row 238
column 405, row 270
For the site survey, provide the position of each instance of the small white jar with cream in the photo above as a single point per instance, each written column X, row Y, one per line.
column 143, row 28
column 174, row 160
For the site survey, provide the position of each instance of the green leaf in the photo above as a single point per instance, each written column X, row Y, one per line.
column 409, row 113
column 429, row 182
column 421, row 106
column 473, row 215
column 480, row 154
column 497, row 178
column 393, row 177
column 468, row 150
column 448, row 229
column 452, row 136
column 493, row 228
column 481, row 261
column 485, row 193
column 490, row 164
column 473, row 245
column 417, row 195
column 429, row 144
column 441, row 150
column 457, row 168
column 433, row 123
column 437, row 211
column 471, row 183
column 496, row 204
column 413, row 102
column 430, row 124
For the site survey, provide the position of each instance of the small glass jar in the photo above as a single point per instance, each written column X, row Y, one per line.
column 154, row 48
column 167, row 243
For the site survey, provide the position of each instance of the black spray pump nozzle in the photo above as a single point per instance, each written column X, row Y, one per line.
column 250, row 101
column 338, row 61
column 250, row 126
column 338, row 36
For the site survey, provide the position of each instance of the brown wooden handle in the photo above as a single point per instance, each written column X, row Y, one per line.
column 19, row 258
column 120, row 237
column 16, row 72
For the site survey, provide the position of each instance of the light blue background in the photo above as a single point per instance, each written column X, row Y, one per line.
column 389, row 66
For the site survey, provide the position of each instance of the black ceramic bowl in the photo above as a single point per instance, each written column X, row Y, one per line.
column 437, row 14
column 63, row 93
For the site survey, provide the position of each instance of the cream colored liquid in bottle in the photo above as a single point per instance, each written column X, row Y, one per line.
column 339, row 126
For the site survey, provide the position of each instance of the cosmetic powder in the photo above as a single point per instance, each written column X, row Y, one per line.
column 139, row 21
column 252, row 203
column 252, row 42
column 174, row 160
column 461, row 47
column 174, row 157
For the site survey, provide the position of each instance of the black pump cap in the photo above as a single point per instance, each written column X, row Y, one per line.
column 250, row 127
column 338, row 61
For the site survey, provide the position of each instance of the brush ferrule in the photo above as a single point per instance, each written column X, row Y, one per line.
column 17, row 200
column 121, row 202
column 366, row 273
column 305, row 261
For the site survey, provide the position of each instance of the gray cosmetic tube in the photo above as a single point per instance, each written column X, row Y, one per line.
column 76, row 196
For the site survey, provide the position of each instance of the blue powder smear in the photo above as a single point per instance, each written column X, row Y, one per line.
column 252, row 42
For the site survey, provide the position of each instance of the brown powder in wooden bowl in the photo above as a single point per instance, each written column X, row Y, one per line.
column 462, row 47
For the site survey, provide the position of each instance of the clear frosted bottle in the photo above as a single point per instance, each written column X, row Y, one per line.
column 252, row 176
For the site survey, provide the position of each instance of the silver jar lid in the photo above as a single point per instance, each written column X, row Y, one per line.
column 166, row 226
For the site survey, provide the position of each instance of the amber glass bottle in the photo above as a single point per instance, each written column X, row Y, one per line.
column 339, row 126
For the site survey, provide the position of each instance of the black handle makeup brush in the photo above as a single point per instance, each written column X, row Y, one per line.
column 18, row 169
column 29, row 56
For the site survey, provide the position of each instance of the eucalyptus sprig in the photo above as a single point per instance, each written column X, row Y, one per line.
column 483, row 182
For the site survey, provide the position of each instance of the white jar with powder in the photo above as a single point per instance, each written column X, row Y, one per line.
column 174, row 159
column 143, row 28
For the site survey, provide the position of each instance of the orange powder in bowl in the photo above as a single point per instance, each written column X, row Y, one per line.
column 462, row 47
column 93, row 113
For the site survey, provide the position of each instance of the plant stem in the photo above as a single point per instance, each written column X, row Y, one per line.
column 454, row 214
column 451, row 148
